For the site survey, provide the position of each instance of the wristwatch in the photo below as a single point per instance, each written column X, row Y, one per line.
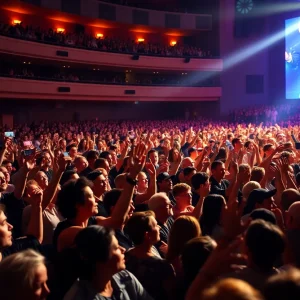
column 130, row 180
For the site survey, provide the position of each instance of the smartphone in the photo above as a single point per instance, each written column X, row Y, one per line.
column 28, row 152
column 9, row 134
column 66, row 154
column 27, row 143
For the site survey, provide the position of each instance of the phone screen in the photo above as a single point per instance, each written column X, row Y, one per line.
column 66, row 154
column 28, row 152
column 10, row 134
column 27, row 143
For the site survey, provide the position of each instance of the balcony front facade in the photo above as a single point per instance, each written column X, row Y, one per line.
column 19, row 88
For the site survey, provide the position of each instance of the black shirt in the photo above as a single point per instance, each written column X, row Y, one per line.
column 28, row 242
column 219, row 188
column 49, row 174
column 123, row 239
column 61, row 226
column 13, row 210
column 101, row 210
column 86, row 171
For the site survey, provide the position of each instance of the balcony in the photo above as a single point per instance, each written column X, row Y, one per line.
column 66, row 54
column 15, row 88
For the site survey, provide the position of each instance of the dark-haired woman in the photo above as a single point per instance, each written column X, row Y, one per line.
column 78, row 205
column 210, row 220
column 103, row 275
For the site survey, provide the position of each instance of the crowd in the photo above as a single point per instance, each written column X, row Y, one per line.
column 52, row 73
column 110, row 44
column 150, row 210
column 274, row 113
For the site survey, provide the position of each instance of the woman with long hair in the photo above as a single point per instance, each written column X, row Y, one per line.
column 210, row 220
column 184, row 229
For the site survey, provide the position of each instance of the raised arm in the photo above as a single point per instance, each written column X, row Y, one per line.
column 119, row 214
column 234, row 179
column 22, row 175
column 257, row 154
column 123, row 155
column 203, row 191
column 268, row 160
column 35, row 226
column 51, row 189
column 278, row 182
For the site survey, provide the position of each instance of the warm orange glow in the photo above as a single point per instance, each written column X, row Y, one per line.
column 99, row 35
column 140, row 40
column 173, row 43
column 60, row 30
column 17, row 22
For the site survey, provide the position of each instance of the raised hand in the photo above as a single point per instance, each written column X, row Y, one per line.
column 280, row 148
column 137, row 160
column 36, row 197
column 231, row 219
column 275, row 170
column 163, row 168
column 234, row 167
column 150, row 168
column 284, row 164
column 63, row 161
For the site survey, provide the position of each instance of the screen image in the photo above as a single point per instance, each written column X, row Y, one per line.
column 292, row 58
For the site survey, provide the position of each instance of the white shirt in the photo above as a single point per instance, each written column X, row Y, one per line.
column 51, row 217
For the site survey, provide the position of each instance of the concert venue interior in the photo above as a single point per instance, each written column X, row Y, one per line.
column 150, row 149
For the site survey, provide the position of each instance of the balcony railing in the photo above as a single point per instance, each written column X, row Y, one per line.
column 18, row 88
column 50, row 51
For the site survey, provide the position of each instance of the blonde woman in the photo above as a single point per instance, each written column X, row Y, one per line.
column 23, row 275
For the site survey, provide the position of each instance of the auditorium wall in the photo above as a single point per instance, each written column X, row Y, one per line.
column 26, row 111
column 253, row 62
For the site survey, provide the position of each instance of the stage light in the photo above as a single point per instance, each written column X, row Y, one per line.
column 60, row 30
column 99, row 35
column 173, row 43
column 141, row 40
column 17, row 22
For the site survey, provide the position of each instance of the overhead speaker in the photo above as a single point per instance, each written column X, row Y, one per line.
column 187, row 60
column 135, row 57
column 129, row 92
column 64, row 89
column 62, row 53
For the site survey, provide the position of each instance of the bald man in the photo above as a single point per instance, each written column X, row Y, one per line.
column 288, row 197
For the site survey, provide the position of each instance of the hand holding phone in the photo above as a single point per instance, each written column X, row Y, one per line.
column 9, row 134
column 28, row 152
column 27, row 143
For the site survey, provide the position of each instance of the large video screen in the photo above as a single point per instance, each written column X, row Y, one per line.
column 292, row 58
